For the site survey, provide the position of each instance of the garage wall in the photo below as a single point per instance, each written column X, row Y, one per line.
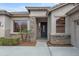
column 74, row 29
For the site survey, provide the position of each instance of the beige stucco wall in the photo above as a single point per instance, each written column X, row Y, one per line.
column 38, row 13
column 74, row 29
column 49, row 27
column 2, row 27
column 5, row 26
column 57, row 13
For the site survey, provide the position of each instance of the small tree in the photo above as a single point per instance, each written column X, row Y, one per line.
column 25, row 34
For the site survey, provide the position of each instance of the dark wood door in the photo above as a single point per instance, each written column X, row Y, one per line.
column 44, row 29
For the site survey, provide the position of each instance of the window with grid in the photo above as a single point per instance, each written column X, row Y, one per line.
column 60, row 25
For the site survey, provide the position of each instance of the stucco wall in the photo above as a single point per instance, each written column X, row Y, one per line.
column 59, row 12
column 2, row 27
column 74, row 29
column 60, row 38
column 67, row 25
column 38, row 13
column 7, row 26
column 49, row 27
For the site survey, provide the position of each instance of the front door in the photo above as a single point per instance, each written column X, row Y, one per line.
column 43, row 29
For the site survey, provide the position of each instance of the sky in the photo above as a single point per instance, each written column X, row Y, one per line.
column 12, row 7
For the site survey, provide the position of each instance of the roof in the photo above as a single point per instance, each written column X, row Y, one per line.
column 73, row 10
column 58, row 6
column 49, row 9
column 19, row 14
column 4, row 12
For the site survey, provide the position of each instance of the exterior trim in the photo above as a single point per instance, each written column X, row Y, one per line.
column 73, row 10
column 38, row 8
column 58, row 6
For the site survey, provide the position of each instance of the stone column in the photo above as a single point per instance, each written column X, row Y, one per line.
column 33, row 28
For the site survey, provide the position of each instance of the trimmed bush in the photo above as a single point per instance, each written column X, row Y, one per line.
column 9, row 41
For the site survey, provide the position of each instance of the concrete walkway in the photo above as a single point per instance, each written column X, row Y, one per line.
column 41, row 49
column 23, row 51
column 41, row 43
column 64, row 51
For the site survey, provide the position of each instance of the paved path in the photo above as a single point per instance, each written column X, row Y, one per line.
column 41, row 43
column 41, row 49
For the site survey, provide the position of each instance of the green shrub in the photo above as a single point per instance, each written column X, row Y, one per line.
column 9, row 41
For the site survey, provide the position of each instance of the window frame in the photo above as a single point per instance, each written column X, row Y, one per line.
column 12, row 26
column 60, row 33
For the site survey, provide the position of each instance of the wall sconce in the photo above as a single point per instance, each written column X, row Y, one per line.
column 1, row 24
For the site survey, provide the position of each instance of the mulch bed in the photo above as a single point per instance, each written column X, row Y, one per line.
column 59, row 45
column 27, row 43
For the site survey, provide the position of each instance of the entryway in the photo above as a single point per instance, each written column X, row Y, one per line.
column 42, row 27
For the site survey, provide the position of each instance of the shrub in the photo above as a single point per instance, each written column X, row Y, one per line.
column 9, row 41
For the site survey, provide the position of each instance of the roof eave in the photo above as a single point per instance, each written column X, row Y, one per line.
column 76, row 8
column 4, row 12
column 37, row 8
column 55, row 8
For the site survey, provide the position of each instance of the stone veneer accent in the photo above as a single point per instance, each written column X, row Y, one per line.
column 60, row 39
column 33, row 28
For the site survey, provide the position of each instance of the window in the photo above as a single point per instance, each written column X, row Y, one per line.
column 60, row 25
column 20, row 25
